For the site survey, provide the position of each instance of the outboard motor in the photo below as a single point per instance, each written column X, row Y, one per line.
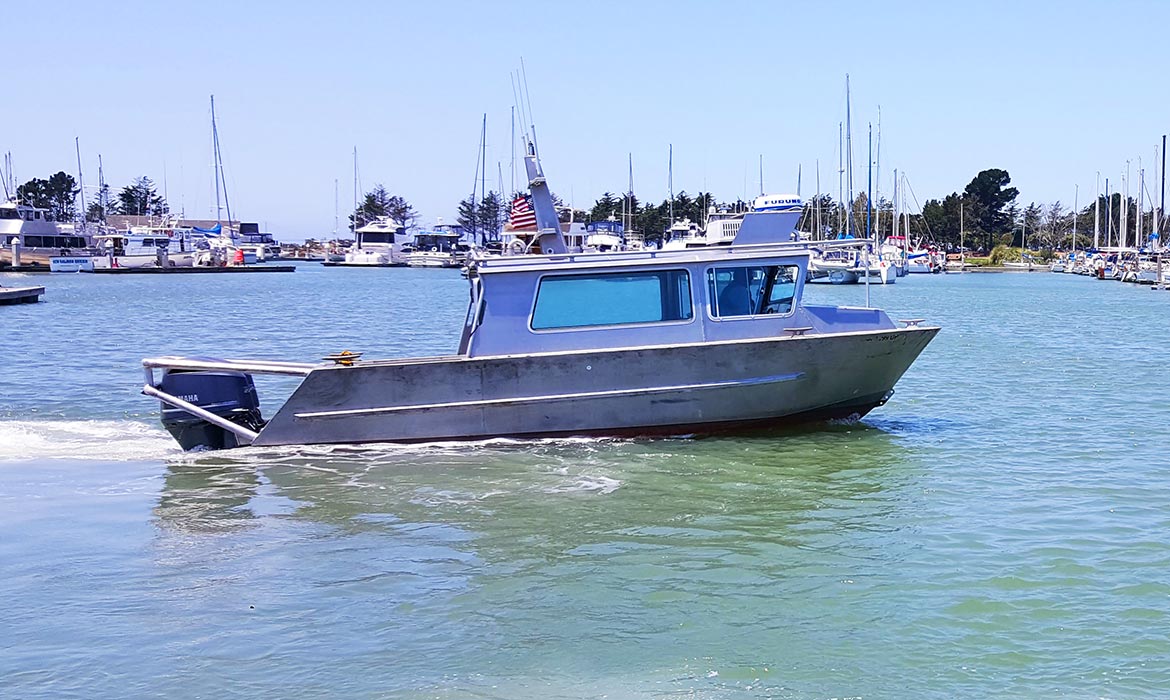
column 225, row 393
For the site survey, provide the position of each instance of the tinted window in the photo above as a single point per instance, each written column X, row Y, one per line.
column 32, row 241
column 574, row 301
column 751, row 290
column 377, row 237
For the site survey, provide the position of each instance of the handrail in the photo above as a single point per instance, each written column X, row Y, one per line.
column 296, row 369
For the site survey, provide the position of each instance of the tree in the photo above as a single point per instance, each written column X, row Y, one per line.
column 140, row 199
column 490, row 217
column 468, row 217
column 605, row 207
column 1030, row 220
column 378, row 203
column 989, row 196
column 1055, row 225
column 57, row 194
column 97, row 210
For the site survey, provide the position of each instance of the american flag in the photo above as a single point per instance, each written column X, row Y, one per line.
column 523, row 218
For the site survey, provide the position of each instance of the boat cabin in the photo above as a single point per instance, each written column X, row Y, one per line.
column 22, row 212
column 591, row 301
column 378, row 233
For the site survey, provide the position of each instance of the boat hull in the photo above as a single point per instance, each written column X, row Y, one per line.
column 700, row 388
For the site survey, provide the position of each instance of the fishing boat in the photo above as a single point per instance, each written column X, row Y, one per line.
column 142, row 247
column 700, row 340
column 441, row 247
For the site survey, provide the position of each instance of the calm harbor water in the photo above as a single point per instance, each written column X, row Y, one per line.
column 1001, row 528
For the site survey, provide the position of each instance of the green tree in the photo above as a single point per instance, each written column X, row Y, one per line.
column 58, row 194
column 1028, row 230
column 605, row 207
column 378, row 203
column 490, row 217
column 468, row 217
column 140, row 199
column 98, row 209
column 990, row 196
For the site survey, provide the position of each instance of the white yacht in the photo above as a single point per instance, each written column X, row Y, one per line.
column 377, row 244
column 605, row 236
column 684, row 234
column 262, row 245
column 36, row 236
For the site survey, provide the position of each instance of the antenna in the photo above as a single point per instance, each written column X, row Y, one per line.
column 528, row 103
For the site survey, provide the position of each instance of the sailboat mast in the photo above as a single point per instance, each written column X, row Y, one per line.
column 1141, row 204
column 1108, row 215
column 101, row 190
column 483, row 171
column 869, row 187
column 897, row 212
column 513, row 165
column 1162, row 204
column 670, row 180
column 354, row 218
column 840, row 175
column 962, row 247
column 80, row 179
column 215, row 164
column 1076, row 202
column 818, row 205
column 335, row 207
column 848, row 158
column 1097, row 214
column 627, row 225
column 877, row 175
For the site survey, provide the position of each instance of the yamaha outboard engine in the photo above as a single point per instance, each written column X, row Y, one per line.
column 231, row 395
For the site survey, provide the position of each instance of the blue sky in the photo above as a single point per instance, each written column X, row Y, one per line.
column 1051, row 92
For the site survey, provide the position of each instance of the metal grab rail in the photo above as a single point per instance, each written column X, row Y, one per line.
column 296, row 369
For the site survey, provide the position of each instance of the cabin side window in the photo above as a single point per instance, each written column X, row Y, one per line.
column 612, row 299
column 751, row 290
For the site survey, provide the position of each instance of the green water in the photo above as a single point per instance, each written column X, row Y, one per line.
column 999, row 529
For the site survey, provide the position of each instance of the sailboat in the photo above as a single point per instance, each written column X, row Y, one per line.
column 222, row 240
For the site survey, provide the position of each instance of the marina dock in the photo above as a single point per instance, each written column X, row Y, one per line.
column 20, row 295
column 189, row 270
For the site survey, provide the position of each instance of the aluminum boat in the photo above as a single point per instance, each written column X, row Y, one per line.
column 699, row 340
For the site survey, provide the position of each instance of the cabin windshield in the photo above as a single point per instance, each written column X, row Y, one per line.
column 387, row 237
column 751, row 290
column 9, row 213
column 612, row 299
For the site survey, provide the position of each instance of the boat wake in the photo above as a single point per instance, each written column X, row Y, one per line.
column 97, row 440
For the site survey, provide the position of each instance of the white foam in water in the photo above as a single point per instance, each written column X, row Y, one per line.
column 106, row 440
